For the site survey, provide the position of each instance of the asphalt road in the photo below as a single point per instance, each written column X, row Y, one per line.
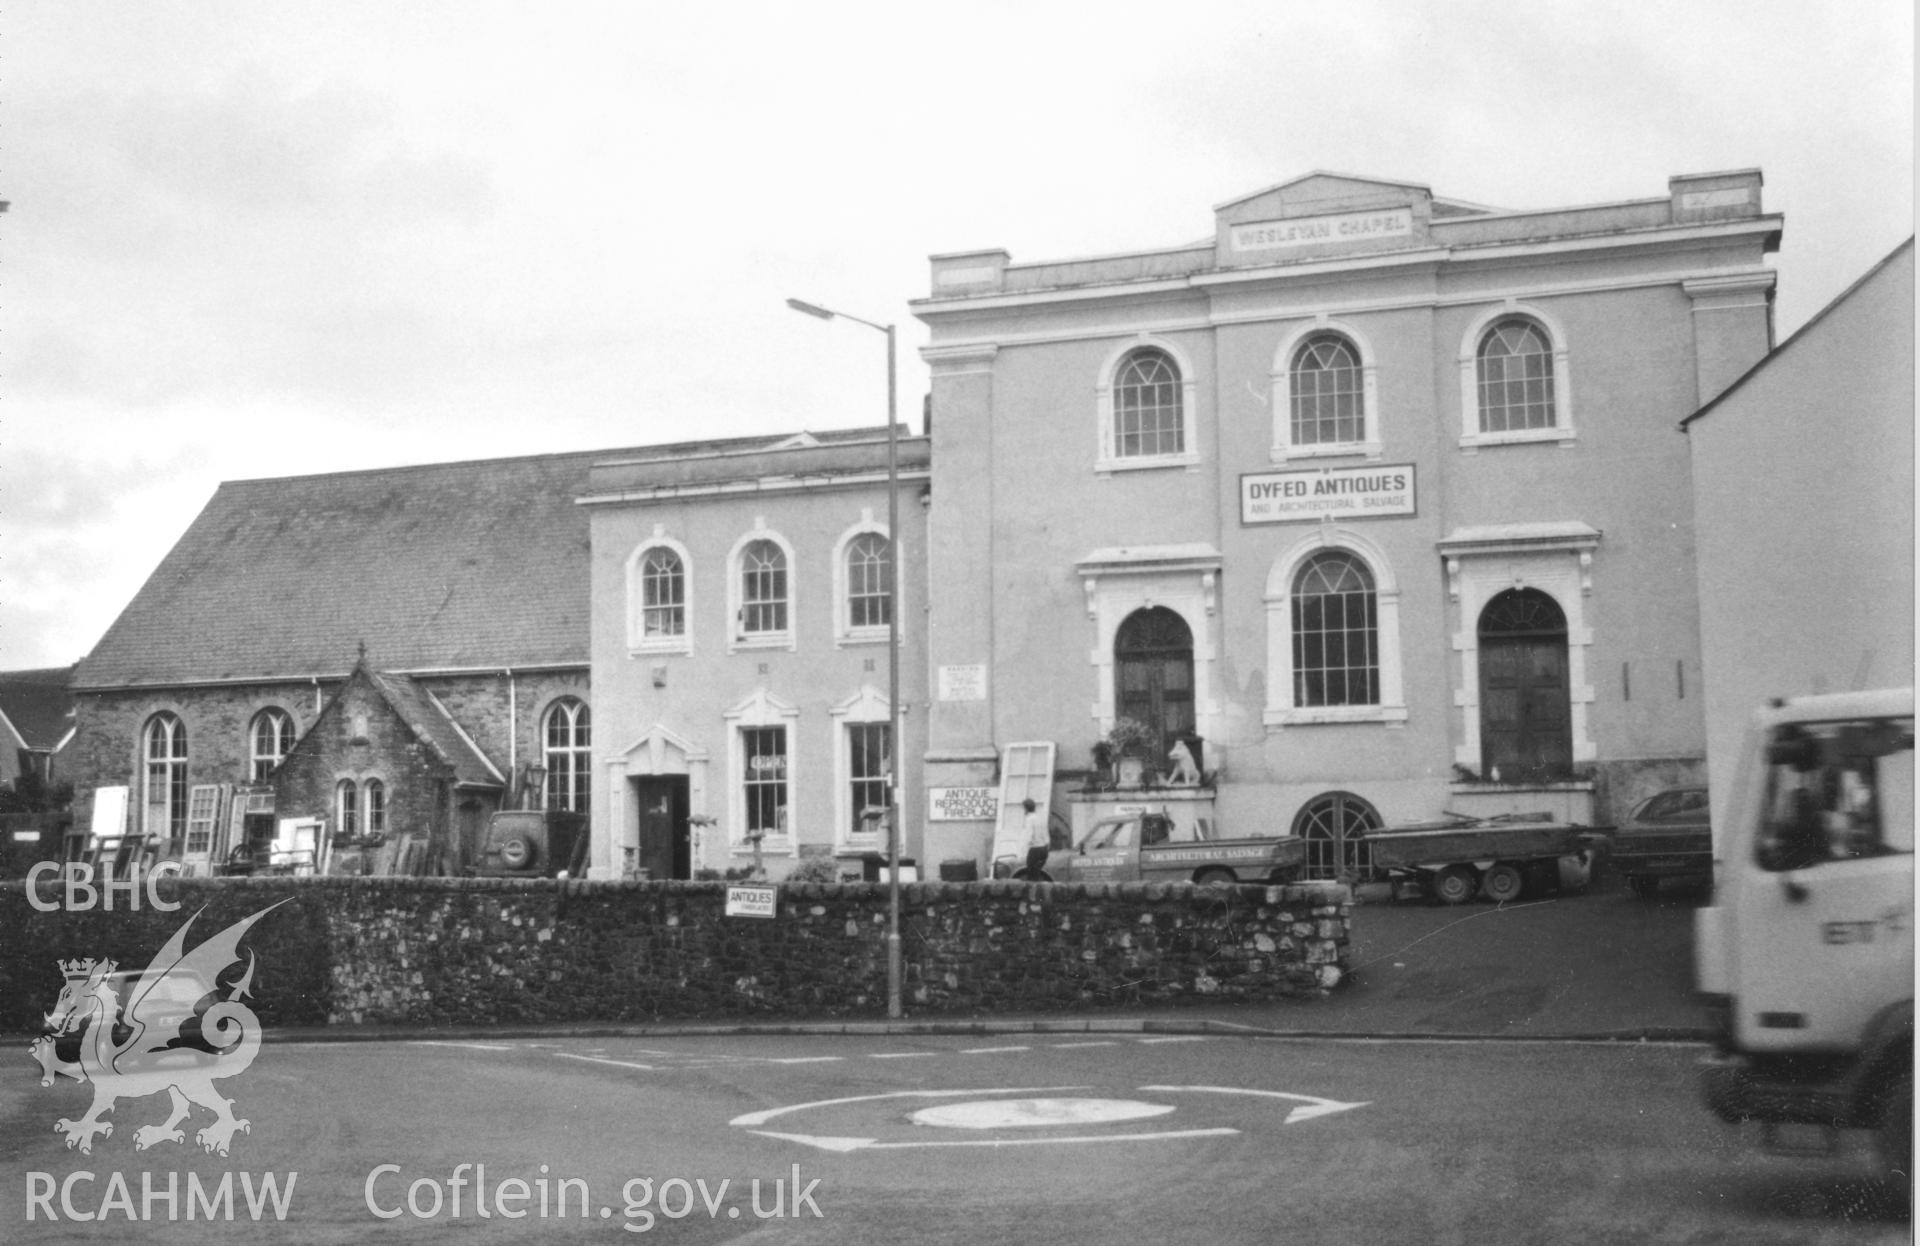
column 1051, row 1138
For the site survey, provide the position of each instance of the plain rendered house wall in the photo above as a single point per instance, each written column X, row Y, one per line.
column 1018, row 501
column 697, row 689
column 1803, row 484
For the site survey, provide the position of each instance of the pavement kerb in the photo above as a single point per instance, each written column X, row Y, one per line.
column 950, row 1028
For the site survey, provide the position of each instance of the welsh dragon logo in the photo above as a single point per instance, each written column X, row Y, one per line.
column 169, row 1037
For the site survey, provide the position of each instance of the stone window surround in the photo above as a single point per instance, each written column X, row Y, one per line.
column 254, row 755
column 1471, row 438
column 737, row 638
column 638, row 642
column 865, row 707
column 139, row 815
column 561, row 703
column 1281, row 712
column 1481, row 563
column 1106, row 459
column 1281, row 391
column 1182, row 578
column 762, row 709
column 844, row 632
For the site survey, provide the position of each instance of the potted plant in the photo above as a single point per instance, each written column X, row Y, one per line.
column 1128, row 742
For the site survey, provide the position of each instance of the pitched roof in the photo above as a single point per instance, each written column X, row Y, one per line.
column 37, row 706
column 436, row 567
column 430, row 721
column 1803, row 331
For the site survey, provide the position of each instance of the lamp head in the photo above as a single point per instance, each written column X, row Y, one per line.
column 801, row 306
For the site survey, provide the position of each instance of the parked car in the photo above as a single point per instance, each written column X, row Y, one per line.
column 1666, row 836
column 533, row 843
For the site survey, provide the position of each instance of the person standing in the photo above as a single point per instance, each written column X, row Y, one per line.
column 1038, row 845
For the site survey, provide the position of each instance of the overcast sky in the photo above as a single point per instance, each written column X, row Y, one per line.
column 254, row 240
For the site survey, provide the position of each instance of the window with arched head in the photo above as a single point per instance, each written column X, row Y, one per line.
column 663, row 595
column 869, row 581
column 1336, row 643
column 763, row 590
column 1334, row 826
column 346, row 809
column 164, row 747
column 1325, row 393
column 1514, row 370
column 568, row 755
column 272, row 740
column 1148, row 400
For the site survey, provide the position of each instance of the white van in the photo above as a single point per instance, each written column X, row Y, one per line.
column 1805, row 957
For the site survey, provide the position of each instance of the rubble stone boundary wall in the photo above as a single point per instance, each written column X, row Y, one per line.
column 477, row 951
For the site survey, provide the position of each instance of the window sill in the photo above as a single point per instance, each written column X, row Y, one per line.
column 1391, row 715
column 772, row 640
column 863, row 636
column 1524, row 437
column 678, row 644
column 1105, row 466
column 1345, row 449
column 771, row 846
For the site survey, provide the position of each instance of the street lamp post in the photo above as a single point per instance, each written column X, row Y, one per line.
column 893, row 651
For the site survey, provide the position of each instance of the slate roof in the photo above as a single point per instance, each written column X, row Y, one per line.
column 469, row 565
column 37, row 705
column 430, row 721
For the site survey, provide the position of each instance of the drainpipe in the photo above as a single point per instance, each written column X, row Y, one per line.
column 316, row 696
column 513, row 725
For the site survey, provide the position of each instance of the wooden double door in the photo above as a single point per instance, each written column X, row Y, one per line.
column 1526, row 713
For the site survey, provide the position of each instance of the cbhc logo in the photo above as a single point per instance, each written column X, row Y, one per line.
column 81, row 892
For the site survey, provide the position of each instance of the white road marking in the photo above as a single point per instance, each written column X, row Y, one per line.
column 625, row 1064
column 803, row 1059
column 760, row 1118
column 1036, row 1113
column 988, row 1051
column 1105, row 1042
column 1177, row 1038
column 901, row 1055
column 1312, row 1105
column 872, row 1144
column 435, row 1042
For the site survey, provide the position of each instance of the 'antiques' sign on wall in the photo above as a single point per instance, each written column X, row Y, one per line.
column 1327, row 493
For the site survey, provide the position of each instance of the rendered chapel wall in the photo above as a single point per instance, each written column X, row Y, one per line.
column 464, row 951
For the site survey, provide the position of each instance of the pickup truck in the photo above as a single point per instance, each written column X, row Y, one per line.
column 1141, row 847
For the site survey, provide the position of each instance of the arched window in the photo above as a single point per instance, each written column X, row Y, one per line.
column 165, row 750
column 272, row 737
column 1148, row 416
column 763, row 590
column 1514, row 368
column 663, row 595
column 1526, row 732
column 1336, row 649
column 569, row 756
column 869, row 581
column 1326, row 392
column 1153, row 667
column 1333, row 826
column 346, row 809
column 374, row 801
